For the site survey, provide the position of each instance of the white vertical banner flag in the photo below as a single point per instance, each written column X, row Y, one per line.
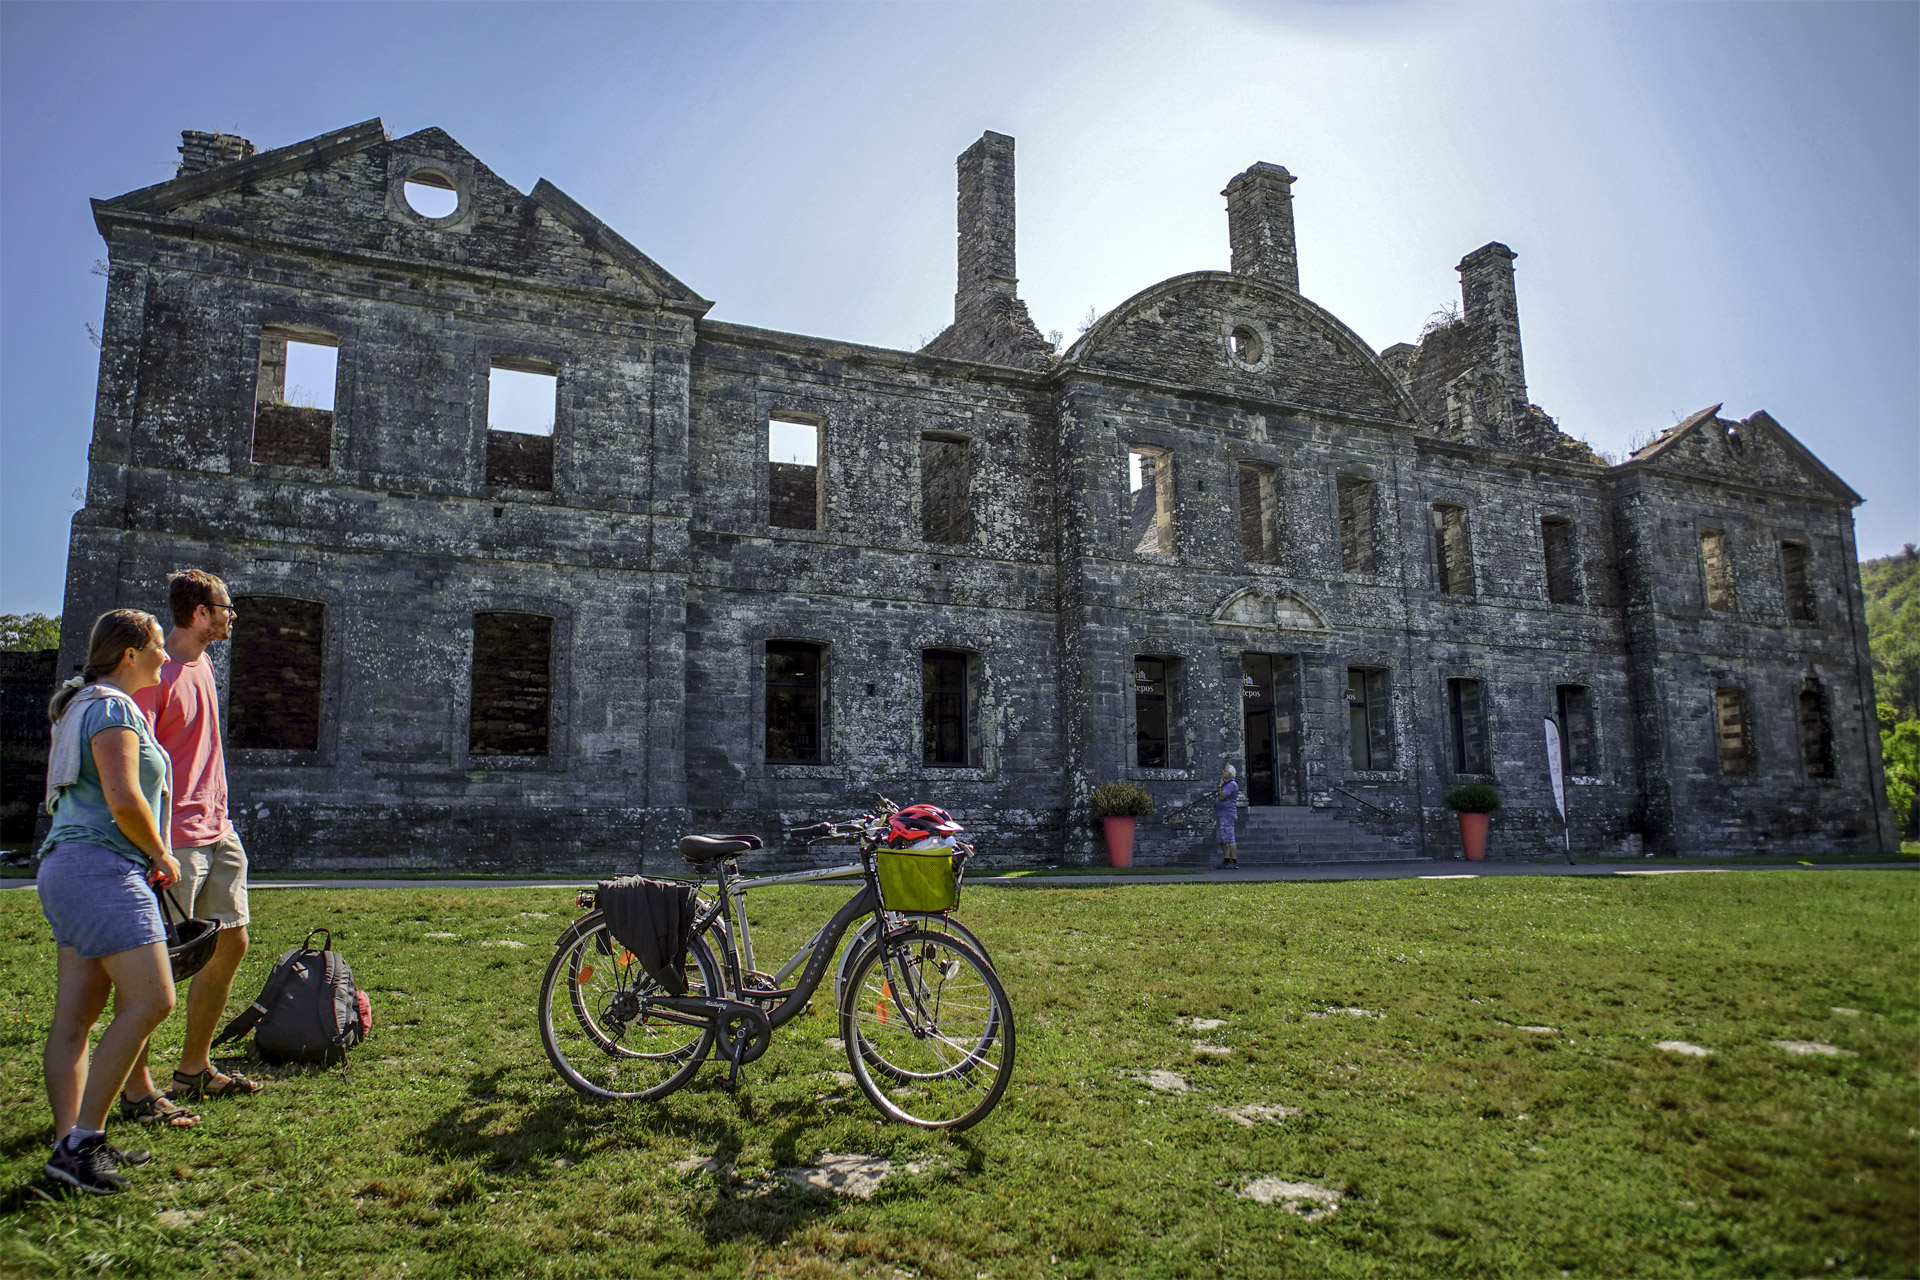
column 1554, row 771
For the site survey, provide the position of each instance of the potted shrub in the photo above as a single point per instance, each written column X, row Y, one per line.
column 1473, row 803
column 1119, row 805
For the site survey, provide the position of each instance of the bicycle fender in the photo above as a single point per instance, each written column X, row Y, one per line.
column 573, row 932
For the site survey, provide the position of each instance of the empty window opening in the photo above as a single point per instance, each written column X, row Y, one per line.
column 945, row 489
column 1796, row 582
column 1563, row 569
column 512, row 693
column 1259, row 538
column 793, row 474
column 1735, row 732
column 947, row 707
column 1356, row 524
column 1816, row 731
column 1369, row 718
column 431, row 194
column 293, row 398
column 1155, row 743
column 1150, row 481
column 523, row 401
column 1245, row 345
column 1467, row 717
column 1716, row 559
column 273, row 700
column 794, row 707
column 1574, row 703
column 1452, row 553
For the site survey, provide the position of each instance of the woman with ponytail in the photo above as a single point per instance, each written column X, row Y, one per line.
column 108, row 787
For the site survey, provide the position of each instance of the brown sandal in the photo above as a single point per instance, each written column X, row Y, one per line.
column 212, row 1084
column 157, row 1110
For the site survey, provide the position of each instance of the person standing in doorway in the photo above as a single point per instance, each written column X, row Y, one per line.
column 1225, row 814
column 185, row 710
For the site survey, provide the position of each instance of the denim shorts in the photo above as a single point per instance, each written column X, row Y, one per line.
column 97, row 901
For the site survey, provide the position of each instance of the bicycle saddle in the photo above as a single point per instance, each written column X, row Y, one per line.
column 709, row 848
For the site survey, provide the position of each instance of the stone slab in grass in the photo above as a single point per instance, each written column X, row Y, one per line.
column 1805, row 1048
column 1212, row 1050
column 1164, row 1081
column 1350, row 1011
column 1310, row 1200
column 1201, row 1024
column 1684, row 1049
column 697, row 1163
column 1251, row 1114
column 856, row 1176
column 508, row 943
column 1845, row 1012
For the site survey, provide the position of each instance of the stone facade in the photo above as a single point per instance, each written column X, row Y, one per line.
column 748, row 578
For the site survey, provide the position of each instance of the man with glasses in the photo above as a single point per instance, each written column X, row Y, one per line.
column 185, row 710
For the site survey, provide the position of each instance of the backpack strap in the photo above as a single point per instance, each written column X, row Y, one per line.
column 249, row 1017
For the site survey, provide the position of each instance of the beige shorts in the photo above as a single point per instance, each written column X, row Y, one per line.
column 213, row 880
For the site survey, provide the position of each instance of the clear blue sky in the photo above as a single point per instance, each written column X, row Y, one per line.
column 1711, row 202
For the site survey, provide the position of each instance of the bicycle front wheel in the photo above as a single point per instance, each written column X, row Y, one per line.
column 595, row 1027
column 928, row 1030
column 863, row 936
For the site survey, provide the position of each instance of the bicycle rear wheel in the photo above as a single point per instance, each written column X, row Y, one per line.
column 928, row 1030
column 592, row 1022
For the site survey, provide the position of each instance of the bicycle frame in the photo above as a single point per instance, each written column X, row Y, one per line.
column 816, row 952
column 734, row 890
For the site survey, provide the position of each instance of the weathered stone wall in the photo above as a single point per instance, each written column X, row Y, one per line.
column 652, row 551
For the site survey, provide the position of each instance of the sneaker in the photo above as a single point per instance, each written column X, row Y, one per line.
column 134, row 1158
column 87, row 1167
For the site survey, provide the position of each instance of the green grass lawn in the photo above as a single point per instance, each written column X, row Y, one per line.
column 1461, row 1142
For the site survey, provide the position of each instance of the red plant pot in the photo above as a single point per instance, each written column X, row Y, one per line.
column 1119, row 839
column 1473, row 835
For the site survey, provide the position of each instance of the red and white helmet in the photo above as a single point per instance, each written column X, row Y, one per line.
column 919, row 821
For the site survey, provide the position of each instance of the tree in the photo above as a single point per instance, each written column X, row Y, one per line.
column 1900, row 751
column 24, row 632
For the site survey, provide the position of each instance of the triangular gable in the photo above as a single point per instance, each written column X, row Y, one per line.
column 1757, row 451
column 1266, row 609
column 340, row 192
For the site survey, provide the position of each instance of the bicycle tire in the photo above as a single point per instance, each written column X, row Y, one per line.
column 585, row 1024
column 944, row 1053
column 863, row 937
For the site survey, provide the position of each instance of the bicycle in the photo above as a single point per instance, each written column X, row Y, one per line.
column 928, row 1029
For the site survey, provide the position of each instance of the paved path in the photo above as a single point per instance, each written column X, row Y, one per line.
column 1420, row 869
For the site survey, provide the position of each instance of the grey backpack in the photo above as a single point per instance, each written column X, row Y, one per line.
column 309, row 1011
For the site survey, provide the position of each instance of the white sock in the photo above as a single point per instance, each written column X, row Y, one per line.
column 77, row 1135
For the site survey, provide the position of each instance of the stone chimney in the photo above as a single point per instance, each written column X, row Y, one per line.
column 200, row 151
column 1260, row 225
column 1493, row 314
column 990, row 323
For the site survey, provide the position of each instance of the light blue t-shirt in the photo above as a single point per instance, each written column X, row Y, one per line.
column 81, row 812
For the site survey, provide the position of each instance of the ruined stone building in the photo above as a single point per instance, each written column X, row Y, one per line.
column 537, row 566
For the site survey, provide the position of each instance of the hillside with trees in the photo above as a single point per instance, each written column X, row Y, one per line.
column 1892, row 587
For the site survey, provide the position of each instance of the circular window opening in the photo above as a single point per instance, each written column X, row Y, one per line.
column 1245, row 345
column 431, row 194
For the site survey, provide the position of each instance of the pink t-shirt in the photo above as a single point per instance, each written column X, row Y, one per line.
column 185, row 710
